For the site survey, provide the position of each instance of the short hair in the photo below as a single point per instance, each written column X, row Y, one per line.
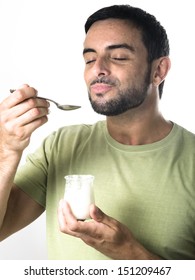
column 153, row 34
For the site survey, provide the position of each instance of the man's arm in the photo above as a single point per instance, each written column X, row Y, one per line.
column 20, row 114
column 21, row 210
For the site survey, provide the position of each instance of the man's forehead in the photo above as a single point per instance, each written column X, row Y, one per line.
column 114, row 31
column 112, row 23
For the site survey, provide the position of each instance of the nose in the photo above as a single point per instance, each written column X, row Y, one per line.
column 101, row 67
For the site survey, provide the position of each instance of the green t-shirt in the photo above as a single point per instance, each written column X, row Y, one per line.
column 150, row 188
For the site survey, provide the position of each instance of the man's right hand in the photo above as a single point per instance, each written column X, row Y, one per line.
column 20, row 114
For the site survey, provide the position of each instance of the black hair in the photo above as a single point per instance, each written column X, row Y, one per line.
column 154, row 35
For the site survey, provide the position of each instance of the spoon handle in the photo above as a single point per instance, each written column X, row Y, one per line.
column 45, row 98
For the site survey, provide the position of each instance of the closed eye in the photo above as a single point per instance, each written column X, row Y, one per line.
column 89, row 61
column 120, row 58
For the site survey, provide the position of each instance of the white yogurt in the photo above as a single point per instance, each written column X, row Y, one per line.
column 79, row 194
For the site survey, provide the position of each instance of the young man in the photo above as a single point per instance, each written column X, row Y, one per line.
column 143, row 164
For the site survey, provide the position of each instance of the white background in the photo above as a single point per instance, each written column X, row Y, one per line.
column 41, row 44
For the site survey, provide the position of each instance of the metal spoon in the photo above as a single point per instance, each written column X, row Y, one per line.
column 60, row 106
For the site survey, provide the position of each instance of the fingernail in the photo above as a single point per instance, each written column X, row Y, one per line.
column 36, row 92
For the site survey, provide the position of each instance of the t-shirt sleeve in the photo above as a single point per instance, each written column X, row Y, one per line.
column 31, row 177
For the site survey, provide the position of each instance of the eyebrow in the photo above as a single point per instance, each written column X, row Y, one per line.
column 112, row 47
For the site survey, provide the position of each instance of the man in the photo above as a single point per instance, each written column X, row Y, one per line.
column 143, row 164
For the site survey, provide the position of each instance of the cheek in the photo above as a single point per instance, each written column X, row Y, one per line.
column 126, row 77
column 89, row 77
column 86, row 76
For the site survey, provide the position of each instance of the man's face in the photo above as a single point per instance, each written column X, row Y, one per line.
column 116, row 72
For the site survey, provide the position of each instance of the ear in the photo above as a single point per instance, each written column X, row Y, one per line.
column 161, row 67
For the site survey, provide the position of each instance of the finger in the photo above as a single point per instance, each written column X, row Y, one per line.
column 91, row 232
column 28, row 105
column 19, row 95
column 21, row 119
column 22, row 127
column 20, row 87
column 98, row 215
column 67, row 222
column 61, row 217
column 70, row 225
column 32, row 126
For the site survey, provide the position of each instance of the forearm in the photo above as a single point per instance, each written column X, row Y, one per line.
column 8, row 166
column 135, row 251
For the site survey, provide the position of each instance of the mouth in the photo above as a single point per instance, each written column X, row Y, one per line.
column 100, row 88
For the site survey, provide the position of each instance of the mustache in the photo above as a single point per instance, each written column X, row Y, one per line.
column 104, row 80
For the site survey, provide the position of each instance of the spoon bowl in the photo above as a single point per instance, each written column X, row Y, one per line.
column 60, row 106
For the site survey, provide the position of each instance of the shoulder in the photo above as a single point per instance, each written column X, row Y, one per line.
column 185, row 133
column 80, row 129
column 75, row 133
column 185, row 141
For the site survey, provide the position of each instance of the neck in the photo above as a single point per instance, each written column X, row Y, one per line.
column 139, row 126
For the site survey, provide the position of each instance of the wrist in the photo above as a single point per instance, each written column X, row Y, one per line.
column 9, row 161
column 141, row 253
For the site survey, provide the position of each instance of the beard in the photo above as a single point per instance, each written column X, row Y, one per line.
column 126, row 99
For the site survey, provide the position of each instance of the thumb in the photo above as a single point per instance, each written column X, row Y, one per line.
column 95, row 213
column 99, row 216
